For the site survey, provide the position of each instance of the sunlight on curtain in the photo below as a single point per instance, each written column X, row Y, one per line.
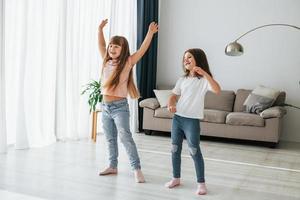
column 31, row 44
column 79, row 62
column 50, row 53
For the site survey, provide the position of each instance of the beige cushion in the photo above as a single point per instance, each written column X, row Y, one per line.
column 223, row 101
column 149, row 103
column 244, row 119
column 280, row 99
column 272, row 112
column 261, row 98
column 214, row 116
column 163, row 113
column 241, row 96
column 162, row 96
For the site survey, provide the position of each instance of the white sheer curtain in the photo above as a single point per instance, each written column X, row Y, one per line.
column 50, row 53
column 3, row 139
column 79, row 62
column 30, row 59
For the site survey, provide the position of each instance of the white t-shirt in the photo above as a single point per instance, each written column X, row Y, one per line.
column 192, row 92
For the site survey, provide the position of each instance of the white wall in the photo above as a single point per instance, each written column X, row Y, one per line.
column 271, row 55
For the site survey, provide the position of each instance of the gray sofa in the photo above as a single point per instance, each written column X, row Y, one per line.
column 224, row 117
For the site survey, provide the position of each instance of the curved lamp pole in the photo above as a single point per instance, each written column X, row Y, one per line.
column 236, row 49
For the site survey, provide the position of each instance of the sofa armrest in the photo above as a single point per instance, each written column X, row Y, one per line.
column 273, row 112
column 149, row 103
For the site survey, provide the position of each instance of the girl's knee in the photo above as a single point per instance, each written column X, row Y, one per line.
column 174, row 148
column 193, row 150
column 126, row 138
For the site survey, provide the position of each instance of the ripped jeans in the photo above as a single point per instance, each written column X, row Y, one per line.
column 190, row 128
column 115, row 121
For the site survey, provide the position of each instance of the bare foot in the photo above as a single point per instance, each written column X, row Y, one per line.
column 201, row 189
column 108, row 171
column 173, row 183
column 139, row 177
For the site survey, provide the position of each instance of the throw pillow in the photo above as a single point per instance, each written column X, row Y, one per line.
column 162, row 96
column 260, row 99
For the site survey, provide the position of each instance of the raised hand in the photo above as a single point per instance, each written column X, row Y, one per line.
column 101, row 39
column 102, row 24
column 153, row 28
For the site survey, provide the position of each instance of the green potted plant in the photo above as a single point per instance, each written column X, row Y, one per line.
column 93, row 89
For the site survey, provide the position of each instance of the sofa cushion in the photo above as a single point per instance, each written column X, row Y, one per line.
column 163, row 97
column 163, row 113
column 149, row 103
column 223, row 101
column 214, row 116
column 276, row 111
column 241, row 96
column 244, row 119
column 280, row 99
column 260, row 99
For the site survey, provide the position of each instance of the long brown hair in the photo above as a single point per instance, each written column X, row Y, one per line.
column 114, row 79
column 201, row 61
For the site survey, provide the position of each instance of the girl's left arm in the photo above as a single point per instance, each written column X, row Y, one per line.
column 153, row 28
column 214, row 84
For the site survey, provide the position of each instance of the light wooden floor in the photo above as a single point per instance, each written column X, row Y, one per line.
column 69, row 170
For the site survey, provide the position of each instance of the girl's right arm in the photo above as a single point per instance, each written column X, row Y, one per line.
column 176, row 92
column 172, row 103
column 101, row 40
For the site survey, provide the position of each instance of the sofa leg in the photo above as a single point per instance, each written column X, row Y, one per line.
column 148, row 132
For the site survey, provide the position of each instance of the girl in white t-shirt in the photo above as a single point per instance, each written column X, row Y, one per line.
column 190, row 91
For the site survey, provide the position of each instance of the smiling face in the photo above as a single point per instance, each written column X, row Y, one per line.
column 189, row 61
column 114, row 51
column 117, row 51
column 194, row 58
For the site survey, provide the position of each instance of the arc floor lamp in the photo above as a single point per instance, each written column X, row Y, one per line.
column 236, row 49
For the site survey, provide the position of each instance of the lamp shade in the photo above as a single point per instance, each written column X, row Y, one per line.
column 234, row 49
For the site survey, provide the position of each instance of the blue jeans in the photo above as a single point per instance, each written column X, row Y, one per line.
column 190, row 128
column 115, row 121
